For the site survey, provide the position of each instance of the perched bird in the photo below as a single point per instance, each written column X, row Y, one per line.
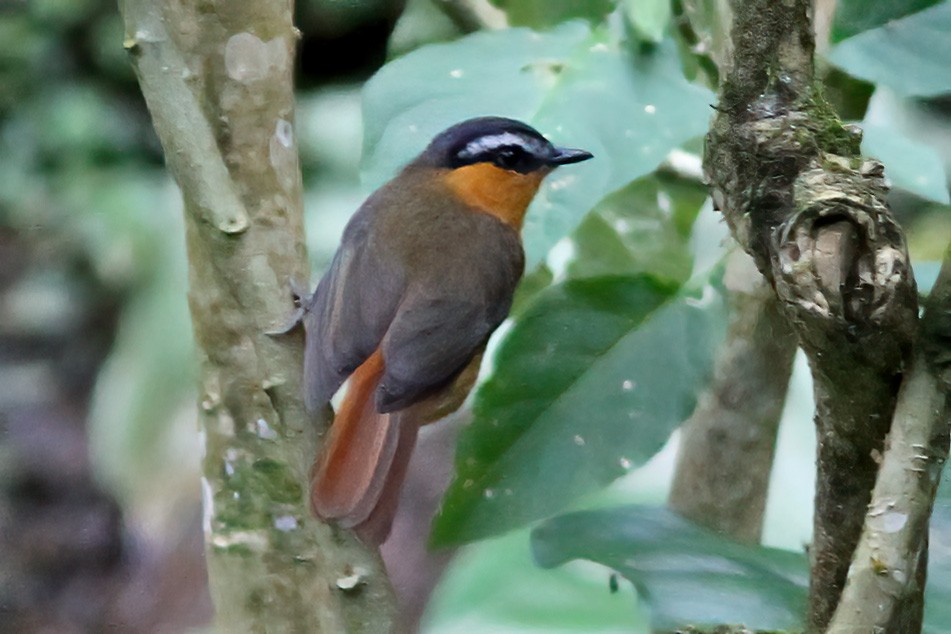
column 425, row 272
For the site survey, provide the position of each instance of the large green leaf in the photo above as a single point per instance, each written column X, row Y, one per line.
column 909, row 165
column 687, row 575
column 414, row 97
column 575, row 86
column 648, row 18
column 855, row 16
column 910, row 55
column 642, row 228
column 646, row 227
column 493, row 586
column 589, row 383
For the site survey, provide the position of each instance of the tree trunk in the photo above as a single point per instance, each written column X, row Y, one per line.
column 217, row 77
column 797, row 196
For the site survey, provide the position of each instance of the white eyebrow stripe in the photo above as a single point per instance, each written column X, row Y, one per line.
column 494, row 141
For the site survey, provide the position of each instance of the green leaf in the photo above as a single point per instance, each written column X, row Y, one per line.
column 915, row 167
column 643, row 228
column 531, row 285
column 630, row 110
column 649, row 18
column 547, row 13
column 687, row 575
column 910, row 55
column 494, row 586
column 854, row 16
column 416, row 96
column 588, row 384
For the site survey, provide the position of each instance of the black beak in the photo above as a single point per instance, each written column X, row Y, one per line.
column 566, row 155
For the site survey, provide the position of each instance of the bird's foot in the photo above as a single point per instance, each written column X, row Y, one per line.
column 301, row 298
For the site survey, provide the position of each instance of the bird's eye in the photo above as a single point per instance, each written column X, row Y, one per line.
column 511, row 158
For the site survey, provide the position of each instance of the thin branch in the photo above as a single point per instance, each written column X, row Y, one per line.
column 887, row 578
column 217, row 77
column 788, row 177
column 727, row 446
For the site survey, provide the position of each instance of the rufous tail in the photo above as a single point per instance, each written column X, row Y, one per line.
column 359, row 472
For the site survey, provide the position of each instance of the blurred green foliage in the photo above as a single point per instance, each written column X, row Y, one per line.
column 909, row 55
column 686, row 574
column 494, row 586
column 855, row 16
column 80, row 166
column 81, row 170
column 650, row 19
column 643, row 227
column 912, row 166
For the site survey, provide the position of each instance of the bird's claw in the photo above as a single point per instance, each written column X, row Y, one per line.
column 299, row 293
column 301, row 298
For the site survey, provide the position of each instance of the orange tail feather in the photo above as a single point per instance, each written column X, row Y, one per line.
column 376, row 527
column 360, row 470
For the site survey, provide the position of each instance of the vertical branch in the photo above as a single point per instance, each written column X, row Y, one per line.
column 788, row 177
column 217, row 77
column 885, row 590
column 726, row 451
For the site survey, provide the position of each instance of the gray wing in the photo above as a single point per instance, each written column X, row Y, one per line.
column 349, row 312
column 444, row 320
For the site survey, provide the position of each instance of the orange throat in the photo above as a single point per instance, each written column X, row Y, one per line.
column 502, row 193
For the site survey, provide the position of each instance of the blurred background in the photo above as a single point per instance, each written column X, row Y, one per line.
column 99, row 502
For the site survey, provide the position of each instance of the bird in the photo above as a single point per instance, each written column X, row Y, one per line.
column 425, row 272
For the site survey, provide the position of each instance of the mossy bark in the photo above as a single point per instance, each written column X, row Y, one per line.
column 217, row 77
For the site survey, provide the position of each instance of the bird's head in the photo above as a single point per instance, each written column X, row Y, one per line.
column 504, row 143
column 496, row 164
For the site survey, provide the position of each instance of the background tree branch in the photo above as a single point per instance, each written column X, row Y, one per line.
column 727, row 446
column 217, row 78
column 796, row 194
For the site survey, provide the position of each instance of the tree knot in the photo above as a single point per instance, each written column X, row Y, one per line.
column 840, row 256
